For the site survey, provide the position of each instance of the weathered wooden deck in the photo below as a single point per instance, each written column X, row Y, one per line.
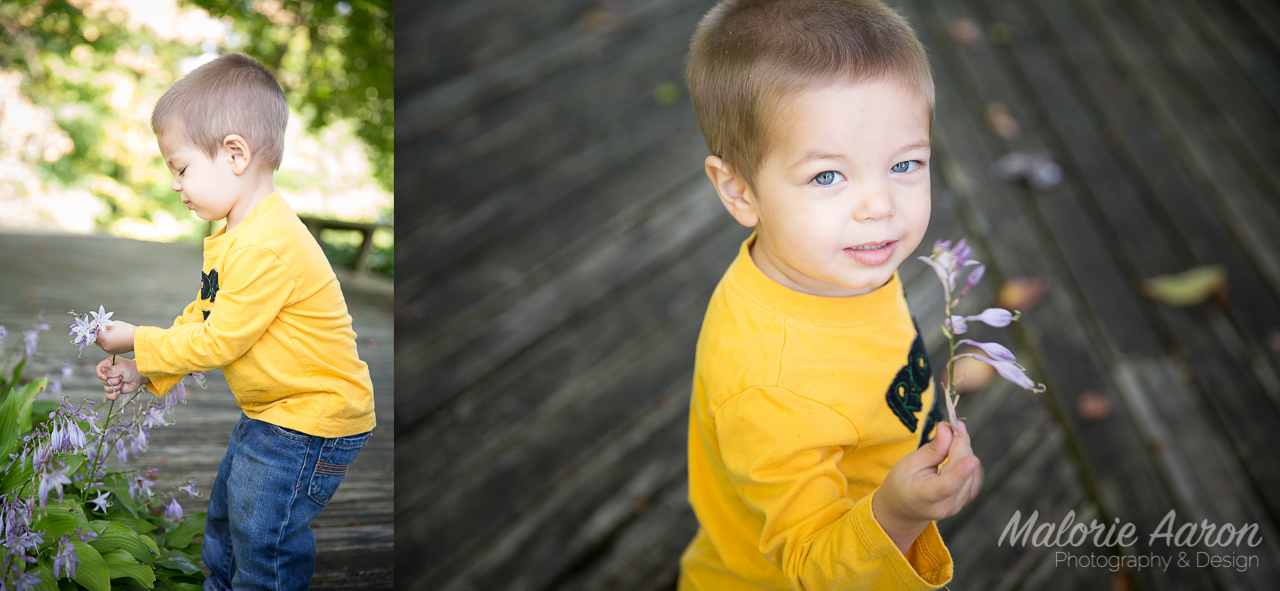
column 148, row 283
column 559, row 242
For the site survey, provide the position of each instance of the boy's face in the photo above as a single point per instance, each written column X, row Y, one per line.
column 843, row 196
column 204, row 183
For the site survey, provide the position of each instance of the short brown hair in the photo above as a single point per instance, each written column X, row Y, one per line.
column 231, row 94
column 748, row 55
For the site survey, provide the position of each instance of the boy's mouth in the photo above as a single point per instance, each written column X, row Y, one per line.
column 872, row 254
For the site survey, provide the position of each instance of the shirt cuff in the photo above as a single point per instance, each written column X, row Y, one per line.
column 927, row 564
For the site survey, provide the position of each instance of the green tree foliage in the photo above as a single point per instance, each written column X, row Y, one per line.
column 334, row 58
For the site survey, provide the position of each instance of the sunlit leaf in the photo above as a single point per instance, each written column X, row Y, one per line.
column 1187, row 288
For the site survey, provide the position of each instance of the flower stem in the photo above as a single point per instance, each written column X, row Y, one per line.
column 97, row 457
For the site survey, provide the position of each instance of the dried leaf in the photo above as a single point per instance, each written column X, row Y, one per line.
column 972, row 375
column 1273, row 342
column 1001, row 33
column 1036, row 168
column 1000, row 121
column 666, row 93
column 1023, row 293
column 1092, row 406
column 1187, row 288
column 965, row 32
column 598, row 21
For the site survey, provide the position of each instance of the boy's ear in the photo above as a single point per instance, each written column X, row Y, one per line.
column 734, row 193
column 241, row 155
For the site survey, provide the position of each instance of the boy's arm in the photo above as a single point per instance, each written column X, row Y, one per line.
column 161, row 384
column 254, row 286
column 781, row 451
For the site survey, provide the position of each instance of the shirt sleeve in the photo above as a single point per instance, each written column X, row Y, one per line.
column 161, row 384
column 781, row 452
column 255, row 286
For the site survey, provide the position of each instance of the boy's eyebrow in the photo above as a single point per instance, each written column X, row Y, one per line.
column 811, row 156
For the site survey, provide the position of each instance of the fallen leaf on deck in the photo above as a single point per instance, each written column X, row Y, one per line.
column 1000, row 121
column 666, row 93
column 1273, row 342
column 1036, row 168
column 1187, row 288
column 1023, row 293
column 598, row 21
column 972, row 375
column 965, row 32
column 1001, row 33
column 1092, row 406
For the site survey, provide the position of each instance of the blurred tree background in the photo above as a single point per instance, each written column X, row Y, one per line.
column 78, row 80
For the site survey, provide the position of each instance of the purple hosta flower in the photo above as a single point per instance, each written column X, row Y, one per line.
column 122, row 451
column 947, row 263
column 102, row 318
column 66, row 367
column 956, row 325
column 140, row 485
column 30, row 338
column 153, row 416
column 85, row 334
column 1010, row 371
column 4, row 337
column 66, row 560
column 172, row 509
column 24, row 581
column 993, row 350
column 175, row 395
column 52, row 480
column 198, row 376
column 101, row 503
column 997, row 317
column 190, row 488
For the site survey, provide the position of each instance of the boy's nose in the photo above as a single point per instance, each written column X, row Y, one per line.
column 175, row 186
column 875, row 202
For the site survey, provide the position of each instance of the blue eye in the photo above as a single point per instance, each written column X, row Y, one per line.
column 904, row 166
column 827, row 178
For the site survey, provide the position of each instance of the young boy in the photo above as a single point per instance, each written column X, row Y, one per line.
column 812, row 457
column 271, row 314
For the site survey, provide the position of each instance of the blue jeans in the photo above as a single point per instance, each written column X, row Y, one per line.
column 272, row 482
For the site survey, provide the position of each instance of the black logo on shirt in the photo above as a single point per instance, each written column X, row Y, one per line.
column 912, row 380
column 209, row 288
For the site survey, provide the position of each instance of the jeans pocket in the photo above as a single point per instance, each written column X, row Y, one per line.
column 335, row 455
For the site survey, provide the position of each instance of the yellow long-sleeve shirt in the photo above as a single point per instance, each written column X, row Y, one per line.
column 801, row 405
column 271, row 314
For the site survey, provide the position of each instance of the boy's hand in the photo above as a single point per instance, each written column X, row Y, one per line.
column 116, row 339
column 915, row 492
column 120, row 378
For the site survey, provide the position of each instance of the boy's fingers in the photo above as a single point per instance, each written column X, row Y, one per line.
column 933, row 453
column 977, row 485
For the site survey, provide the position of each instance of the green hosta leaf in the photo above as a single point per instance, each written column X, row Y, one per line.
column 17, row 373
column 150, row 543
column 16, row 476
column 44, row 569
column 16, row 411
column 92, row 571
column 60, row 518
column 120, row 564
column 176, row 561
column 116, row 536
column 40, row 410
column 190, row 527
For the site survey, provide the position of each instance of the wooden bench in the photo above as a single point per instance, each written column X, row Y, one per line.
column 366, row 229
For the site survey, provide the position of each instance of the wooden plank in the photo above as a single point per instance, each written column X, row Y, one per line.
column 588, row 214
column 425, row 112
column 1213, row 161
column 1233, row 31
column 689, row 215
column 579, row 516
column 1055, row 571
column 645, row 554
column 490, row 415
column 1064, row 349
column 480, row 505
column 448, row 239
